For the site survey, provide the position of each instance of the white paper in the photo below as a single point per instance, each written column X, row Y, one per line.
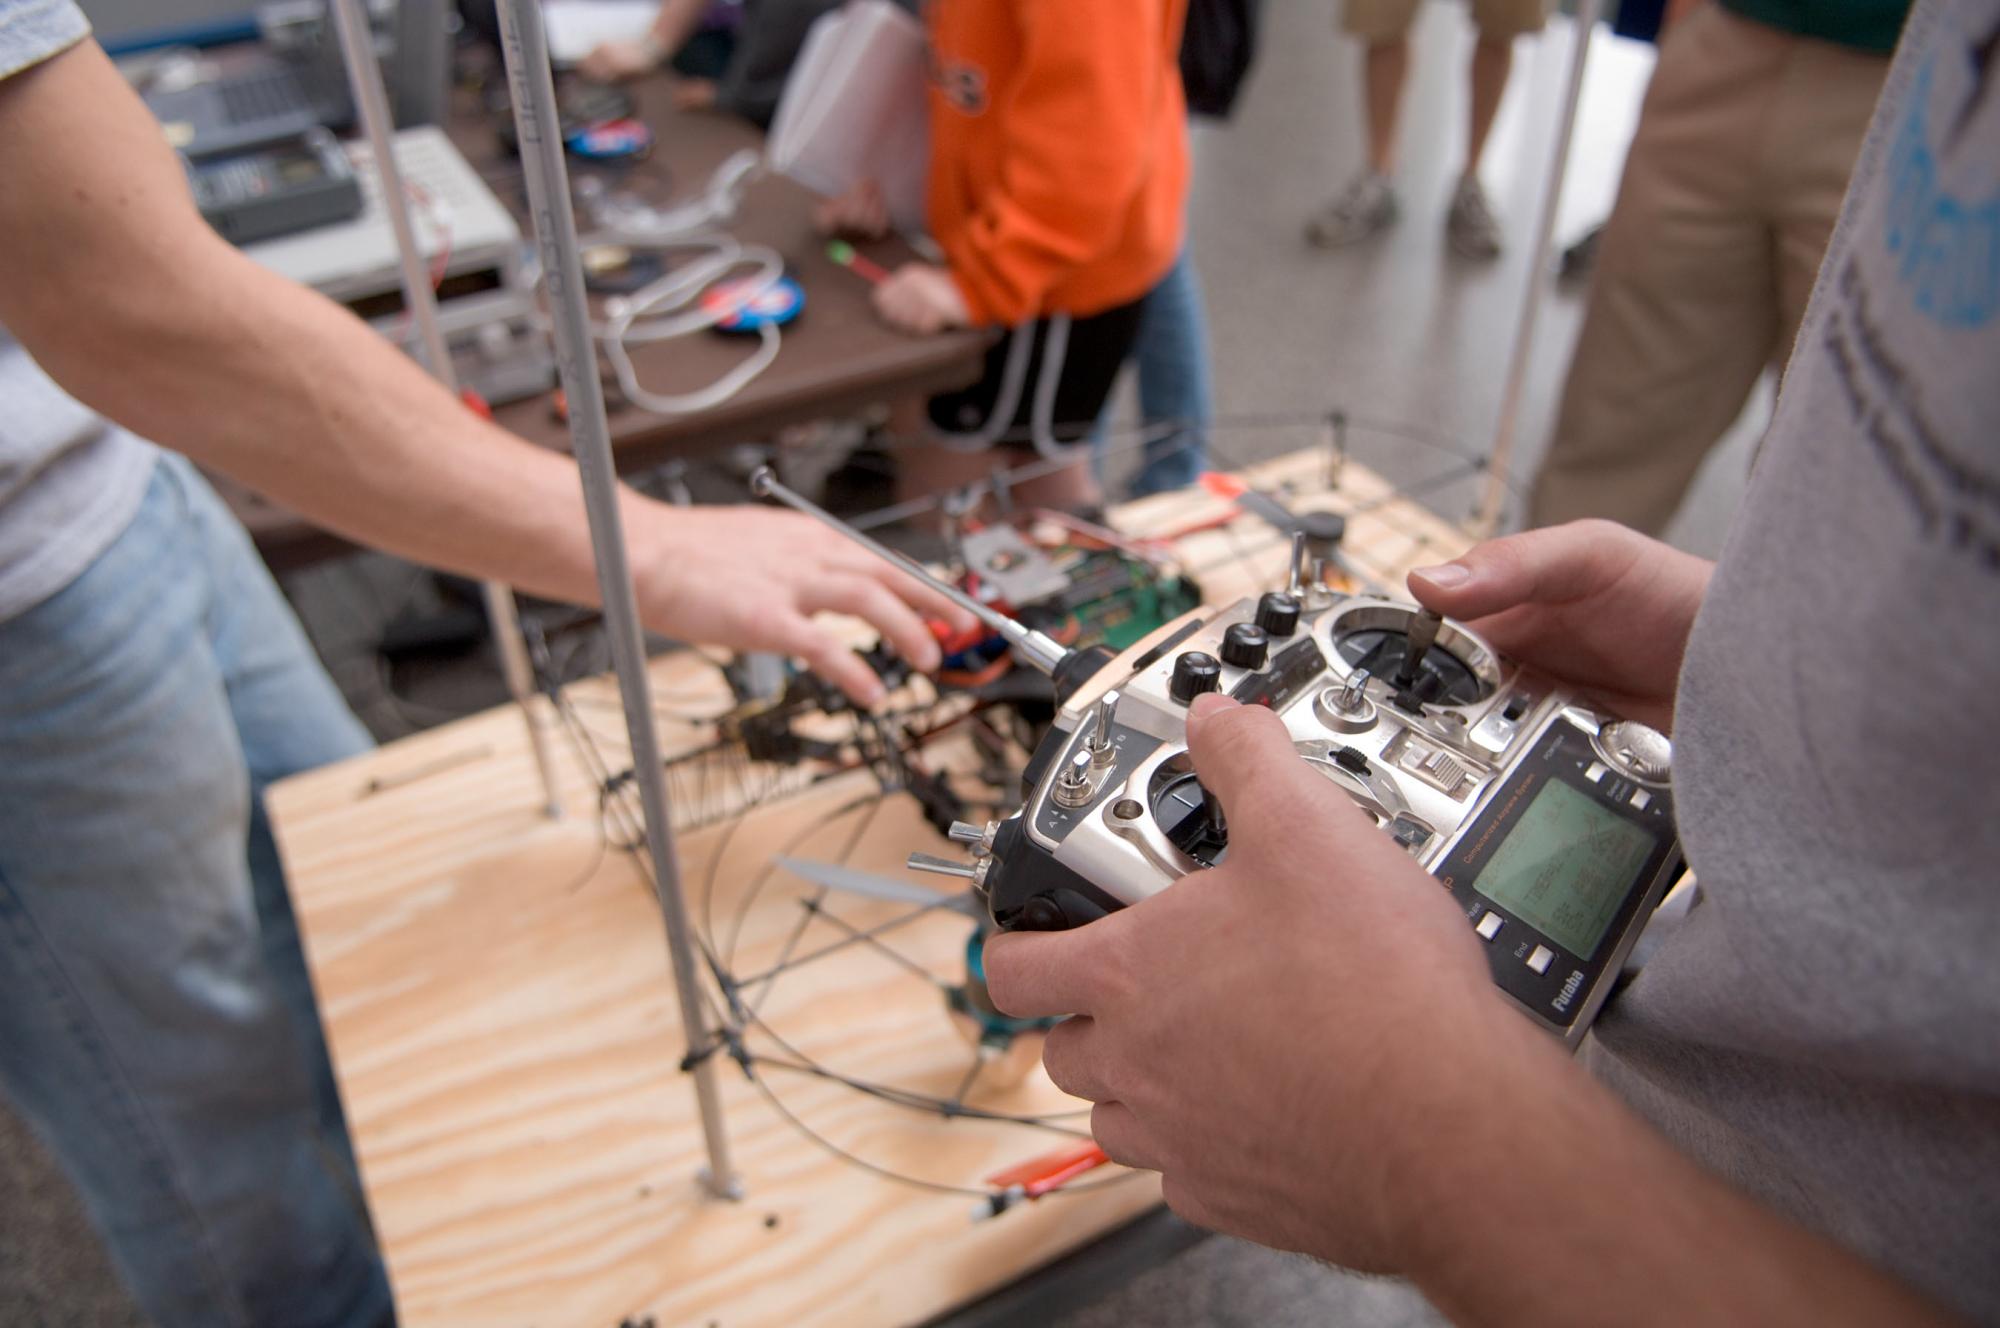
column 577, row 27
column 855, row 108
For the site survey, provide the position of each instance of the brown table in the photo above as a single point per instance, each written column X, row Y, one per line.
column 836, row 357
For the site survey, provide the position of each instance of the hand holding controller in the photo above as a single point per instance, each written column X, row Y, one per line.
column 1548, row 821
column 1592, row 605
column 1278, row 996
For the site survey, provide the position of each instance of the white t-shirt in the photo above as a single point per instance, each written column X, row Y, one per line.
column 1824, row 1031
column 69, row 481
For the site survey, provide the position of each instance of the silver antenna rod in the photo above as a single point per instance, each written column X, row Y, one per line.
column 1031, row 647
column 531, row 84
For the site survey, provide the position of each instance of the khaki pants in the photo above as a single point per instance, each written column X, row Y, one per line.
column 1378, row 21
column 1731, row 189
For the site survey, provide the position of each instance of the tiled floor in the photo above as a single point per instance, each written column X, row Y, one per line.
column 1404, row 338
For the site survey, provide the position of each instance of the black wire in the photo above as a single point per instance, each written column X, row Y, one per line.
column 811, row 956
column 872, row 802
column 597, row 858
column 925, row 1104
column 881, row 946
column 918, row 1182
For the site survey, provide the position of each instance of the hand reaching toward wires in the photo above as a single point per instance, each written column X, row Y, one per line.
column 752, row 579
column 921, row 298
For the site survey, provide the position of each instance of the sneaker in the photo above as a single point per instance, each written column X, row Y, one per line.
column 1580, row 259
column 1471, row 227
column 1366, row 207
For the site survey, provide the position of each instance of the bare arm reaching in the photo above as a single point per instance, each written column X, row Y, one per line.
column 127, row 298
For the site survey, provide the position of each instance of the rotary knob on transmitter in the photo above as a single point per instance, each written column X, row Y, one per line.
column 1278, row 614
column 1245, row 646
column 1195, row 672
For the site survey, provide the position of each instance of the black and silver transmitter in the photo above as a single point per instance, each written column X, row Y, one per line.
column 1550, row 823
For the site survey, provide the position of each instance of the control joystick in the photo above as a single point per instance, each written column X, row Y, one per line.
column 1190, row 816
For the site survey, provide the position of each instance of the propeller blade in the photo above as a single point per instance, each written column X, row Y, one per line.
column 868, row 885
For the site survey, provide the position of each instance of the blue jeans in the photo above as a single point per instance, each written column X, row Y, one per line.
column 156, row 1024
column 1174, row 386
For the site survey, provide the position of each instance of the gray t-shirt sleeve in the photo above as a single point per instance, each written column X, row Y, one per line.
column 1821, row 1030
column 33, row 30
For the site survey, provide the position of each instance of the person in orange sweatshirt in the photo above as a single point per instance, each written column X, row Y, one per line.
column 1058, row 177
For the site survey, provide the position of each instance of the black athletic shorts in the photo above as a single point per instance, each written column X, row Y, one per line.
column 1045, row 383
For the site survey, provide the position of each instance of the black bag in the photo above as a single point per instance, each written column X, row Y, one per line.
column 1217, row 47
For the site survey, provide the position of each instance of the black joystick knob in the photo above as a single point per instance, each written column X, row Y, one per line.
column 1211, row 808
column 1278, row 614
column 1195, row 672
column 1245, row 646
column 1323, row 531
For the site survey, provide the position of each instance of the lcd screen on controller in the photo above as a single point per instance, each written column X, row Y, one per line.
column 1565, row 867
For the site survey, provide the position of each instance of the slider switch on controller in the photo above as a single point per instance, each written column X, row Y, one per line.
column 1245, row 646
column 1195, row 672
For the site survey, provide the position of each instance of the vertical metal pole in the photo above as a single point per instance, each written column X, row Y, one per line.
column 1486, row 513
column 532, row 87
column 371, row 102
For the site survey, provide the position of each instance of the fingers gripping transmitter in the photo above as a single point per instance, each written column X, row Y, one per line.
column 1549, row 823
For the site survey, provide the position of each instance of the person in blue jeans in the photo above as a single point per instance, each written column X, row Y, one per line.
column 155, row 1017
column 157, row 1026
column 1176, row 399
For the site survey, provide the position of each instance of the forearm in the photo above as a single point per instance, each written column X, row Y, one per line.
column 372, row 447
column 127, row 298
column 1556, row 1204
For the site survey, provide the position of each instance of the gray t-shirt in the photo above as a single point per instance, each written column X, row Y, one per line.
column 69, row 481
column 1824, row 1030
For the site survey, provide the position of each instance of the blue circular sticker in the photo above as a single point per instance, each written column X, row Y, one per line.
column 744, row 304
column 611, row 140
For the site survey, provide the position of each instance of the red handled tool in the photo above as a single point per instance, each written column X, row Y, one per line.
column 845, row 254
column 1050, row 1171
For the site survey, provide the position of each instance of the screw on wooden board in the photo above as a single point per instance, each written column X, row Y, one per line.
column 383, row 783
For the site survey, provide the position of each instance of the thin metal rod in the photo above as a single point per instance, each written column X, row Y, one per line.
column 532, row 87
column 371, row 100
column 1486, row 514
column 504, row 623
column 1030, row 646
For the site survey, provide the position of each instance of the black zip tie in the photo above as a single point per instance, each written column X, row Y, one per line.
column 695, row 1059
